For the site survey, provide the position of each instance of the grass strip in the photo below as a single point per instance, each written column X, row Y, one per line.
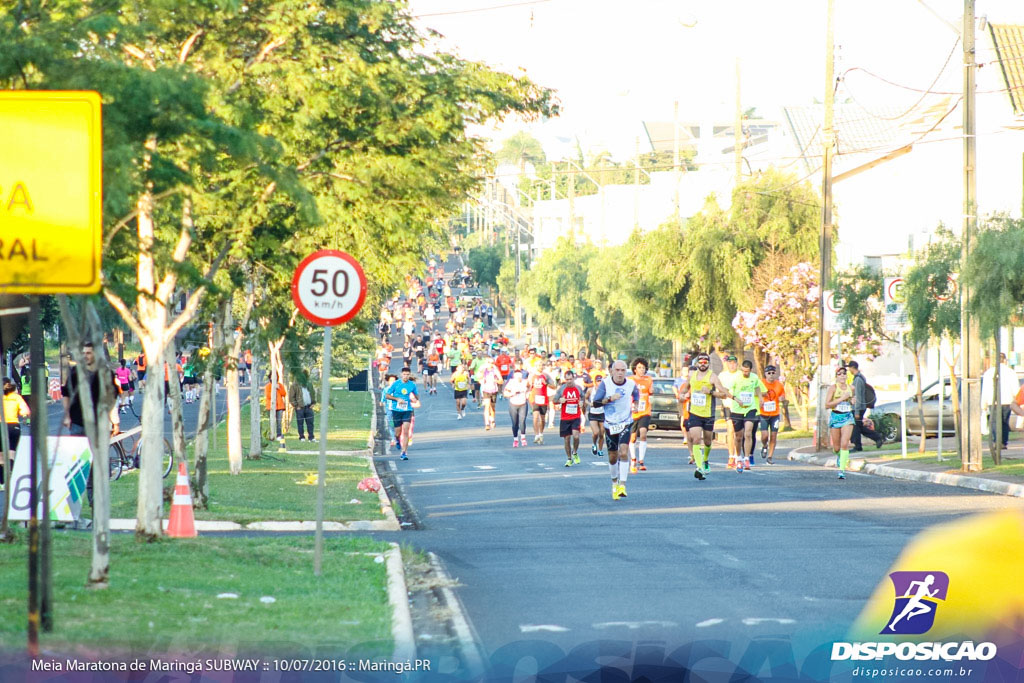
column 163, row 599
column 281, row 486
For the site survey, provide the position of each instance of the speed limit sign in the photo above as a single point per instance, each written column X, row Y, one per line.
column 329, row 287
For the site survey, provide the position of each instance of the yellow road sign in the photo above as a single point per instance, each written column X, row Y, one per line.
column 51, row 162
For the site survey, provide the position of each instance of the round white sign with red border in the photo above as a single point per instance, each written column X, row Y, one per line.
column 329, row 287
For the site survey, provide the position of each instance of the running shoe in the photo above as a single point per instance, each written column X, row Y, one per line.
column 622, row 490
column 642, row 467
column 770, row 461
column 568, row 463
column 575, row 458
column 615, row 491
column 707, row 467
column 750, row 462
column 692, row 461
column 522, row 440
column 632, row 467
column 459, row 416
column 698, row 475
column 515, row 442
column 541, row 439
column 593, row 451
column 764, row 452
column 842, row 475
column 405, row 456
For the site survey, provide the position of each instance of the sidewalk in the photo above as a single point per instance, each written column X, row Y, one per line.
column 947, row 473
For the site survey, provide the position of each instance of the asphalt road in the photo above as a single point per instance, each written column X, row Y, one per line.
column 190, row 412
column 548, row 564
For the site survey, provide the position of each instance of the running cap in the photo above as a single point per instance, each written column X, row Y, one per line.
column 731, row 356
column 703, row 356
column 771, row 368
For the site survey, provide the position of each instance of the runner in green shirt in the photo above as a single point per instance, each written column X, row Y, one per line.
column 746, row 391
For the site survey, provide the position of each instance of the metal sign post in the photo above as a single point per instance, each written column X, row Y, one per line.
column 895, row 320
column 329, row 288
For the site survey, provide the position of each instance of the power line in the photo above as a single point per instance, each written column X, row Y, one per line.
column 481, row 9
column 920, row 99
column 928, row 92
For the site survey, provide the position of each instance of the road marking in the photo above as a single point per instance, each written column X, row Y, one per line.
column 751, row 621
column 598, row 463
column 810, row 599
column 730, row 558
column 391, row 466
column 709, row 622
column 534, row 628
column 484, row 467
column 701, row 541
column 427, row 470
column 634, row 625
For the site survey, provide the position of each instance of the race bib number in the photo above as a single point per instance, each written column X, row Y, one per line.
column 616, row 428
column 504, row 369
column 699, row 399
column 402, row 404
column 769, row 406
column 571, row 408
column 746, row 398
column 843, row 407
column 541, row 400
column 641, row 406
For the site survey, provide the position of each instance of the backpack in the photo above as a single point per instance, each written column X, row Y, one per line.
column 869, row 395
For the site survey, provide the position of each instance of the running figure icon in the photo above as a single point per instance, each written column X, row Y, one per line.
column 916, row 605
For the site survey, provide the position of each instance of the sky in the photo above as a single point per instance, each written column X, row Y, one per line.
column 615, row 63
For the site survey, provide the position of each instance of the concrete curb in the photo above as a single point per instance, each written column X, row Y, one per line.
column 946, row 479
column 469, row 644
column 361, row 451
column 385, row 502
column 401, row 615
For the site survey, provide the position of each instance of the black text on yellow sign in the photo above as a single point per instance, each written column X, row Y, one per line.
column 50, row 192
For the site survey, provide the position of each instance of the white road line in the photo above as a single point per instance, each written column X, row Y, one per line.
column 534, row 628
column 484, row 467
column 752, row 621
column 709, row 622
column 426, row 470
column 634, row 625
column 701, row 541
column 808, row 598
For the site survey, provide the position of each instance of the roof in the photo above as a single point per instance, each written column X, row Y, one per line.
column 857, row 130
column 662, row 136
column 1009, row 43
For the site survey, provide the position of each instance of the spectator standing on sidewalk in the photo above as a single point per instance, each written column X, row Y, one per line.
column 1009, row 385
column 15, row 409
column 282, row 396
column 860, row 405
column 74, row 419
column 302, row 396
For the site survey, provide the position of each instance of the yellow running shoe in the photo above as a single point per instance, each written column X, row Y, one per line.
column 615, row 491
column 622, row 490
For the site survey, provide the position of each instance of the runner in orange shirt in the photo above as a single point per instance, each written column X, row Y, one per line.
column 641, row 416
column 770, row 408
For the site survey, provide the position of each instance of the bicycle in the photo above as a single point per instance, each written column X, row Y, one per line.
column 124, row 454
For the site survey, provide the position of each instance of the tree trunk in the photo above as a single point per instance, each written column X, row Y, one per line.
column 98, row 432
column 920, row 402
column 255, row 389
column 177, row 419
column 201, row 445
column 150, row 505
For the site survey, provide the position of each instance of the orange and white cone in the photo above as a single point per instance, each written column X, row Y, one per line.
column 183, row 522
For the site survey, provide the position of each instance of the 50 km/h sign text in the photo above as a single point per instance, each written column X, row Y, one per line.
column 329, row 287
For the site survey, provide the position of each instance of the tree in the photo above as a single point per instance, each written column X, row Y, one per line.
column 933, row 307
column 486, row 262
column 554, row 288
column 785, row 327
column 520, row 149
column 995, row 273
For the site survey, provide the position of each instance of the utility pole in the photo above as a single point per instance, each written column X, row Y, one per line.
column 636, row 187
column 571, row 177
column 675, row 154
column 969, row 332
column 519, row 239
column 737, row 132
column 828, row 134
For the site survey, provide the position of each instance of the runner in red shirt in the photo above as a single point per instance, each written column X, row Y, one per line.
column 504, row 363
column 540, row 398
column 570, row 398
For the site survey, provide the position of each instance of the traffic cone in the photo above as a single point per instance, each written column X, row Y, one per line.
column 183, row 522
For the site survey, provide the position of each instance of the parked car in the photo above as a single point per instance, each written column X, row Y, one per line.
column 887, row 415
column 664, row 407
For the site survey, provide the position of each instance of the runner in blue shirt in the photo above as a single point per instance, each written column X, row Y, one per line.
column 406, row 399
